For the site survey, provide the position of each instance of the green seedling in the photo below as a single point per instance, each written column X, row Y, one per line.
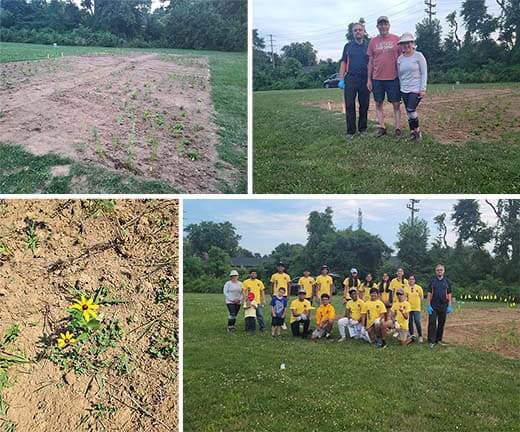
column 31, row 241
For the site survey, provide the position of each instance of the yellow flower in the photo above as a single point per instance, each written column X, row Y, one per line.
column 87, row 307
column 65, row 339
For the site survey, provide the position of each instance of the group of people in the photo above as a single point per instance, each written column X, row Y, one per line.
column 389, row 65
column 372, row 310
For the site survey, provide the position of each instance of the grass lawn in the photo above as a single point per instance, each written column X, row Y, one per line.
column 229, row 96
column 233, row 382
column 301, row 148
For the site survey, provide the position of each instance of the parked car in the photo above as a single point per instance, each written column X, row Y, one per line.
column 332, row 81
column 335, row 277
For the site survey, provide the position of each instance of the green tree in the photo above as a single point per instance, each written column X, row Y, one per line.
column 440, row 222
column 304, row 52
column 218, row 263
column 205, row 235
column 412, row 244
column 477, row 20
column 428, row 40
column 468, row 224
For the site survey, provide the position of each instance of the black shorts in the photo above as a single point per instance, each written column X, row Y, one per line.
column 277, row 322
column 411, row 100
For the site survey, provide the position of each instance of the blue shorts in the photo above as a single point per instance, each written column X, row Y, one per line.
column 390, row 87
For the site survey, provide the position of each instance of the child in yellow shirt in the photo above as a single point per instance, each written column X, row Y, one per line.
column 325, row 316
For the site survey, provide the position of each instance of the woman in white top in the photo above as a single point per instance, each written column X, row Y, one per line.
column 234, row 296
column 413, row 76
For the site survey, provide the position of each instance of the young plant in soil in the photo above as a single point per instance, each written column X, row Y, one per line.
column 31, row 240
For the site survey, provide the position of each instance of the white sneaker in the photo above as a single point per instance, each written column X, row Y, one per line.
column 421, row 340
column 395, row 334
column 284, row 326
column 342, row 339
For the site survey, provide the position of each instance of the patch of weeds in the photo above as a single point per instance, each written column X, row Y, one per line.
column 31, row 240
column 163, row 347
column 198, row 128
column 122, row 364
column 165, row 293
column 134, row 95
column 193, row 154
column 159, row 120
column 96, row 207
column 4, row 250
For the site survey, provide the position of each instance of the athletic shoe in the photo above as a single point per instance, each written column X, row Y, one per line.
column 431, row 345
column 284, row 326
column 421, row 340
column 342, row 339
column 412, row 137
column 414, row 338
column 398, row 134
column 418, row 136
column 380, row 132
column 363, row 133
column 327, row 335
column 395, row 334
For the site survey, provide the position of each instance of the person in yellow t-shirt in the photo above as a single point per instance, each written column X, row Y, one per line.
column 325, row 316
column 385, row 293
column 398, row 282
column 400, row 314
column 352, row 319
column 324, row 283
column 280, row 279
column 307, row 283
column 351, row 281
column 300, row 314
column 373, row 320
column 364, row 288
column 256, row 286
column 415, row 294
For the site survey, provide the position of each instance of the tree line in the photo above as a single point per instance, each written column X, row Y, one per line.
column 209, row 247
column 204, row 24
column 489, row 51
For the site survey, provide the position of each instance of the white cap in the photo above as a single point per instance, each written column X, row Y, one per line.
column 353, row 270
column 233, row 273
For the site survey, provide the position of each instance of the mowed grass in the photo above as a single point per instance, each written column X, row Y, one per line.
column 233, row 382
column 303, row 149
column 229, row 96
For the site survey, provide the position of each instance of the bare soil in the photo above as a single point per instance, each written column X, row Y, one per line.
column 482, row 114
column 150, row 115
column 132, row 249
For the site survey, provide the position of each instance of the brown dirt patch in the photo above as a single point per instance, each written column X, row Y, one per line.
column 456, row 117
column 131, row 248
column 150, row 115
column 494, row 330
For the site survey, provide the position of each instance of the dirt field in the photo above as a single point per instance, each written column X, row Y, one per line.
column 454, row 118
column 150, row 115
column 130, row 248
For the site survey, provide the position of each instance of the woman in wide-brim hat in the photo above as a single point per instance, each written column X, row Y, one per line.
column 234, row 296
column 413, row 76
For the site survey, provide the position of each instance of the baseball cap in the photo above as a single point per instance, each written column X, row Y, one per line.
column 351, row 290
column 280, row 264
column 353, row 270
column 383, row 18
column 233, row 273
column 406, row 37
column 400, row 291
column 302, row 291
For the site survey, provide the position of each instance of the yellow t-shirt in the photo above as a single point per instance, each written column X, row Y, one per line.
column 364, row 291
column 307, row 283
column 324, row 285
column 355, row 308
column 373, row 310
column 345, row 285
column 415, row 296
column 300, row 307
column 280, row 280
column 256, row 286
column 403, row 322
column 395, row 285
column 385, row 295
column 325, row 312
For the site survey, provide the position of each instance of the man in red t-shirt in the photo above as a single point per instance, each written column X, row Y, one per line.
column 383, row 51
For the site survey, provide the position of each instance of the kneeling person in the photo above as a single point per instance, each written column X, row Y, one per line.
column 300, row 314
column 400, row 315
column 352, row 319
column 325, row 316
column 373, row 319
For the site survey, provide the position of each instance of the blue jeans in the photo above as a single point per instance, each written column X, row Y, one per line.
column 415, row 316
column 260, row 316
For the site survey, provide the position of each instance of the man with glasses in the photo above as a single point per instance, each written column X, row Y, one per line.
column 353, row 74
column 383, row 51
column 439, row 305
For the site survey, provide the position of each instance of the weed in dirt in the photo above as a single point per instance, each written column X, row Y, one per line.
column 134, row 95
column 97, row 207
column 165, row 293
column 163, row 347
column 122, row 364
column 159, row 120
column 154, row 145
column 31, row 240
column 193, row 154
column 4, row 250
column 116, row 142
column 198, row 128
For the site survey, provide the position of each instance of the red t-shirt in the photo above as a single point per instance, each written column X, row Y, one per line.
column 384, row 53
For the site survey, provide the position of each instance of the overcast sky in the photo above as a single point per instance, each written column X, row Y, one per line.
column 263, row 224
column 324, row 23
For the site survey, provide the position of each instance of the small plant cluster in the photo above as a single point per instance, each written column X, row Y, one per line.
column 510, row 300
column 87, row 335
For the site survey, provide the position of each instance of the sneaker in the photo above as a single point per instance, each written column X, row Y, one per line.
column 421, row 340
column 414, row 338
column 412, row 136
column 395, row 334
column 418, row 136
column 380, row 132
column 398, row 134
column 284, row 326
column 431, row 345
column 363, row 133
column 342, row 339
column 327, row 335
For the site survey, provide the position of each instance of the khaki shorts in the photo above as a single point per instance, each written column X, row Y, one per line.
column 403, row 335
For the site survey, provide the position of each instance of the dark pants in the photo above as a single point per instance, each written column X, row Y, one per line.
column 233, row 312
column 260, row 316
column 436, row 323
column 295, row 327
column 415, row 316
column 355, row 85
column 250, row 324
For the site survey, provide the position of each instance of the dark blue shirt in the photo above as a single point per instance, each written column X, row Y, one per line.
column 355, row 55
column 439, row 288
column 279, row 306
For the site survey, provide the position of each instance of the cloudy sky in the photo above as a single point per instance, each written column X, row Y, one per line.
column 265, row 223
column 324, row 23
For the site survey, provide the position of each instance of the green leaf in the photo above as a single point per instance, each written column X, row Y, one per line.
column 93, row 324
column 83, row 337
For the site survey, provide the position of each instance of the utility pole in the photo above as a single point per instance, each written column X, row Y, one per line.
column 430, row 5
column 272, row 49
column 413, row 209
column 359, row 219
